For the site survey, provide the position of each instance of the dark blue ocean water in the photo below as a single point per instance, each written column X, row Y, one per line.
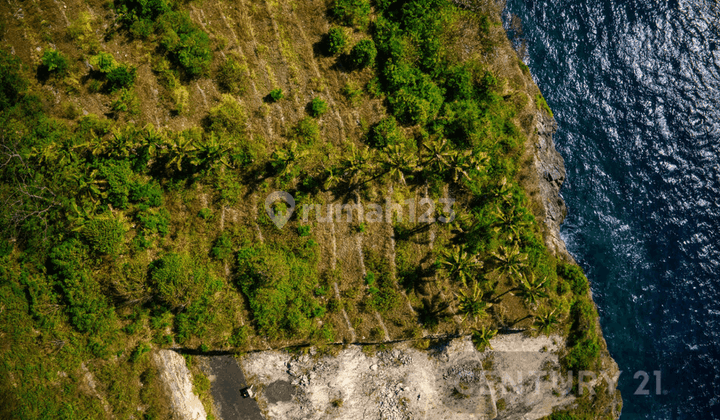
column 635, row 86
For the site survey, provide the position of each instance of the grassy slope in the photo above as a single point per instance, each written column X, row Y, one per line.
column 215, row 227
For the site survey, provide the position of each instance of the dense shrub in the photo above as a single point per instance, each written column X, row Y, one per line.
column 363, row 54
column 118, row 175
column 12, row 84
column 222, row 248
column 386, row 132
column 147, row 10
column 179, row 281
column 353, row 93
column 188, row 46
column 574, row 275
column 542, row 104
column 121, row 77
column 279, row 285
column 126, row 101
column 104, row 62
column 337, row 40
column 306, row 131
column 583, row 355
column 228, row 117
column 230, row 76
column 149, row 193
column 153, row 221
column 105, row 234
column 352, row 12
column 87, row 306
column 583, row 342
column 55, row 62
column 276, row 94
column 317, row 107
column 459, row 84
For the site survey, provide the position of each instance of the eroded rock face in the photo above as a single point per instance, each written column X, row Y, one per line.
column 551, row 170
column 519, row 379
column 176, row 378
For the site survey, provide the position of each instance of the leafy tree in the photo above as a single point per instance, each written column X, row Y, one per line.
column 12, row 84
column 187, row 45
column 55, row 62
column 352, row 12
column 363, row 54
column 179, row 281
column 276, row 94
column 337, row 40
column 317, row 107
column 386, row 132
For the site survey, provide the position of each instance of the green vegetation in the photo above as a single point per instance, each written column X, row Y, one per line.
column 187, row 46
column 55, row 62
column 276, row 94
column 317, row 107
column 12, row 84
column 363, row 54
column 337, row 40
column 118, row 237
column 230, row 76
column 542, row 105
column 279, row 284
column 352, row 12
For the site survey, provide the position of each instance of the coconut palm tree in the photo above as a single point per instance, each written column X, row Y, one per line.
column 502, row 192
column 211, row 150
column 546, row 321
column 89, row 185
column 283, row 160
column 438, row 154
column 531, row 289
column 470, row 303
column 510, row 260
column 331, row 178
column 358, row 164
column 397, row 162
column 178, row 149
column 481, row 338
column 512, row 221
column 459, row 163
column 460, row 264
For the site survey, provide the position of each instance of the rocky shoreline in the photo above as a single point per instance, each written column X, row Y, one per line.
column 550, row 168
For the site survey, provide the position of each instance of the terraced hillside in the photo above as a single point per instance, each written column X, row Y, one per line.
column 141, row 140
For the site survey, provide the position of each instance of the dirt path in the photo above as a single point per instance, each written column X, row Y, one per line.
column 227, row 380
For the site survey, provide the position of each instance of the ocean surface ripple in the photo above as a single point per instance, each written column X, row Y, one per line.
column 635, row 87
